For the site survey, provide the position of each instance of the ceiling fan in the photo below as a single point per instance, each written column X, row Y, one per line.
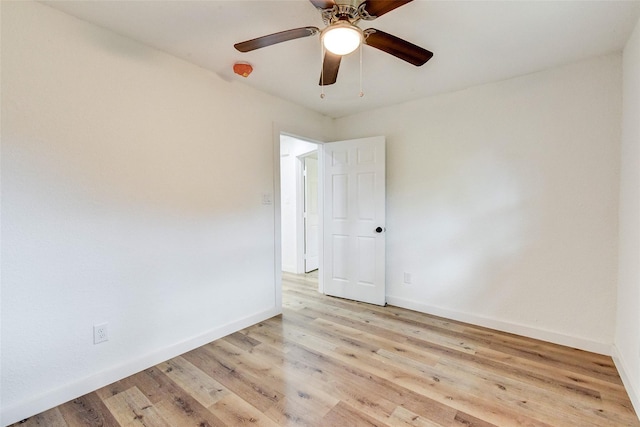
column 342, row 35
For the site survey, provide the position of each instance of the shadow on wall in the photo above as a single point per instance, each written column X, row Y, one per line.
column 472, row 229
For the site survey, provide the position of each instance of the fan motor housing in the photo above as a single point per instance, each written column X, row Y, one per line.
column 346, row 10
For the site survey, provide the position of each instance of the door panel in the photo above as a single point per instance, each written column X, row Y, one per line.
column 354, row 176
column 366, row 196
column 340, row 192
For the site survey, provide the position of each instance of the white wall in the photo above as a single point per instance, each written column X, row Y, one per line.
column 627, row 336
column 290, row 149
column 123, row 202
column 132, row 187
column 502, row 202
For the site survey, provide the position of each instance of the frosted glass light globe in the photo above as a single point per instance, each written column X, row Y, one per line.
column 342, row 38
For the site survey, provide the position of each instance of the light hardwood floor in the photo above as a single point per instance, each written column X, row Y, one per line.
column 332, row 362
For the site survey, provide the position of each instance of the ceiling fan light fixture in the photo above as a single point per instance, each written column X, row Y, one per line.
column 341, row 38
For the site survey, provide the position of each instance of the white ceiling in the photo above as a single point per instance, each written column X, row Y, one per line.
column 474, row 42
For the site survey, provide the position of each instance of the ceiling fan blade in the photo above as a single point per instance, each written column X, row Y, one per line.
column 377, row 8
column 330, row 67
column 397, row 47
column 280, row 37
column 323, row 4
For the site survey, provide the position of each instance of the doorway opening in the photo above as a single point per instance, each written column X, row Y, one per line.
column 299, row 205
column 349, row 199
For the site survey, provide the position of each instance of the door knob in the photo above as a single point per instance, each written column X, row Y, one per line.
column 379, row 229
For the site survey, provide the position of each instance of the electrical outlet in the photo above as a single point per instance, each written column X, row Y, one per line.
column 407, row 278
column 100, row 333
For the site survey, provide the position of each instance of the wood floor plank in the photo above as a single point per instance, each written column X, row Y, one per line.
column 463, row 419
column 234, row 411
column 192, row 380
column 401, row 327
column 437, row 387
column 303, row 404
column 404, row 417
column 571, row 402
column 331, row 362
column 354, row 380
column 344, row 415
column 139, row 380
column 253, row 389
column 386, row 338
column 179, row 402
column 319, row 378
column 50, row 418
column 131, row 408
column 88, row 410
column 242, row 341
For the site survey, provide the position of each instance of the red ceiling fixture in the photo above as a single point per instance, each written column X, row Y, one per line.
column 242, row 69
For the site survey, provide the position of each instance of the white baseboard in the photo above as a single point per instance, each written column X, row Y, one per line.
column 633, row 393
column 86, row 385
column 526, row 331
column 289, row 269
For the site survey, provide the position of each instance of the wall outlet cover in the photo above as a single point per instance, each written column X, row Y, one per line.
column 407, row 278
column 100, row 333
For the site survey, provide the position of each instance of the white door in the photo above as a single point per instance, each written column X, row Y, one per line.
column 354, row 219
column 311, row 213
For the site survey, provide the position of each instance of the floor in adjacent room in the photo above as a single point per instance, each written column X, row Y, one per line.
column 333, row 362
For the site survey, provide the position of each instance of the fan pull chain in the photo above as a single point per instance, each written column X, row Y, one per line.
column 361, row 92
column 321, row 69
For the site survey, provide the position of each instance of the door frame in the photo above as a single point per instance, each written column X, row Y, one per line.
column 278, row 131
